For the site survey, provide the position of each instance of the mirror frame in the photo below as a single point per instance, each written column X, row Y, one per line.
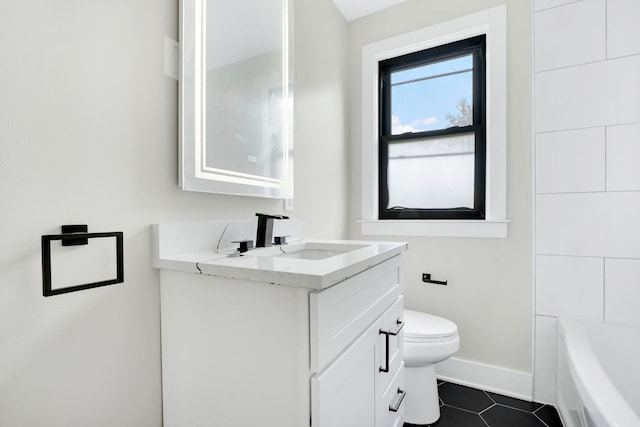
column 194, row 174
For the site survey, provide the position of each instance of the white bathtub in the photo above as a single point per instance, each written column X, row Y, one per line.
column 598, row 374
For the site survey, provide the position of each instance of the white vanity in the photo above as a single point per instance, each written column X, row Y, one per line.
column 307, row 333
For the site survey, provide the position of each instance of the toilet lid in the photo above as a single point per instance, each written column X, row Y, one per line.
column 418, row 325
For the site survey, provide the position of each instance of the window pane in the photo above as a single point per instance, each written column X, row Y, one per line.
column 433, row 173
column 433, row 69
column 432, row 97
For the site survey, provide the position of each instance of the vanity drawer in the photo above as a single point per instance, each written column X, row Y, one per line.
column 390, row 411
column 339, row 314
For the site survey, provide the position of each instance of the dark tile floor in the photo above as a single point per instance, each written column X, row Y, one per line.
column 462, row 406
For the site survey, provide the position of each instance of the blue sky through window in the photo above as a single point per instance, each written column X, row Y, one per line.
column 422, row 97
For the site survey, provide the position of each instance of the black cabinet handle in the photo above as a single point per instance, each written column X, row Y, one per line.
column 400, row 325
column 395, row 407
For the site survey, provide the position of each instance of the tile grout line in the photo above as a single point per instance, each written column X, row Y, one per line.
column 586, row 127
column 540, row 419
column 486, row 409
column 484, row 421
column 581, row 64
column 506, row 406
column 515, row 409
column 467, row 410
column 557, row 6
column 536, row 415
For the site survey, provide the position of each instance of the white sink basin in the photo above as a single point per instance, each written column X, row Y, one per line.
column 306, row 250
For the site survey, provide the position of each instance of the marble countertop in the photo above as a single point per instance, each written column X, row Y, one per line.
column 277, row 265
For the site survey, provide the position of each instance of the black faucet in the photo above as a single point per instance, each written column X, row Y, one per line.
column 264, row 236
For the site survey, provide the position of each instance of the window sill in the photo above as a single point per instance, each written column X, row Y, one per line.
column 435, row 228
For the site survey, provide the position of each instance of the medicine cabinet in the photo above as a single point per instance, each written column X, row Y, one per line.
column 236, row 97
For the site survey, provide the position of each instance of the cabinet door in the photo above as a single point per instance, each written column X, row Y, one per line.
column 339, row 314
column 344, row 393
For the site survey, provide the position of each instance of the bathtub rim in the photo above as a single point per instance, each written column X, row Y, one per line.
column 588, row 375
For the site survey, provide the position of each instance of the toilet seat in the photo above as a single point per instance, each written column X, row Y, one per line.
column 424, row 328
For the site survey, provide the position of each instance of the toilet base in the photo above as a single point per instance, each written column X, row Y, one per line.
column 422, row 405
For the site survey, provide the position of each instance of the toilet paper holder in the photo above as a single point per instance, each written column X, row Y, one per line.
column 426, row 277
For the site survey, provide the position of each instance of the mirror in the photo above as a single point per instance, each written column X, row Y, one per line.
column 236, row 97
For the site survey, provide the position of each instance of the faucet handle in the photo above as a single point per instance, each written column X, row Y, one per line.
column 280, row 240
column 245, row 245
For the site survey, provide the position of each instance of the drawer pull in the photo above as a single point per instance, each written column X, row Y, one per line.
column 394, row 408
column 400, row 325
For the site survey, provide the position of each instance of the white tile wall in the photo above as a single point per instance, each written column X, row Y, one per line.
column 623, row 157
column 571, row 161
column 622, row 293
column 587, row 232
column 596, row 94
column 547, row 4
column 571, row 287
column 588, row 224
column 568, row 224
column 561, row 40
column 623, row 89
column 568, row 98
column 545, row 359
column 623, row 17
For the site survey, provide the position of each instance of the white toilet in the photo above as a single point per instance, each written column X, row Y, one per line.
column 428, row 339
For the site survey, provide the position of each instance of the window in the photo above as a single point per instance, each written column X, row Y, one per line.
column 472, row 154
column 432, row 133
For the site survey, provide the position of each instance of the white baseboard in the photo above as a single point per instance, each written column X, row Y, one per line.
column 486, row 377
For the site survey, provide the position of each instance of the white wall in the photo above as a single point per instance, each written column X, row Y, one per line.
column 587, row 126
column 88, row 134
column 490, row 290
column 321, row 118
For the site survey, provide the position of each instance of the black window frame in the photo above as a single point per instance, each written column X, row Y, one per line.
column 475, row 46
